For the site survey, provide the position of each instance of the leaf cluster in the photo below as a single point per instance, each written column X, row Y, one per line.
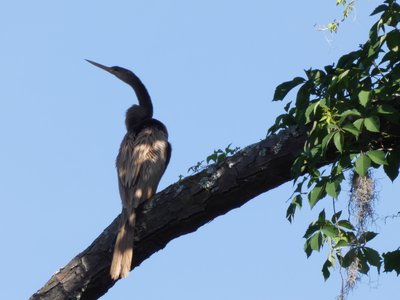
column 339, row 234
column 219, row 155
column 344, row 108
column 216, row 157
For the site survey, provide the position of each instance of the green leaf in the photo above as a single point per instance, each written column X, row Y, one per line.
column 333, row 188
column 299, row 187
column 346, row 224
column 363, row 162
column 387, row 110
column 310, row 110
column 392, row 40
column 377, row 156
column 364, row 97
column 372, row 51
column 390, row 56
column 321, row 216
column 316, row 242
column 362, row 263
column 298, row 166
column 303, row 97
column 315, row 75
column 338, row 140
column 330, row 230
column 350, row 112
column 336, row 216
column 284, row 88
column 228, row 148
column 325, row 269
column 221, row 158
column 316, row 194
column 391, row 261
column 348, row 258
column 358, row 124
column 367, row 236
column 372, row 124
column 347, row 60
column 212, row 157
column 345, row 162
column 351, row 129
column 325, row 141
column 290, row 212
column 312, row 228
column 307, row 248
column 393, row 164
column 296, row 203
column 287, row 106
column 342, row 243
column 343, row 75
column 379, row 9
column 373, row 257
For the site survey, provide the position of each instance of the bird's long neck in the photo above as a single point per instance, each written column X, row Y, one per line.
column 142, row 95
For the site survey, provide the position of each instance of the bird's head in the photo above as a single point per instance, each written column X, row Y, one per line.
column 124, row 74
column 131, row 79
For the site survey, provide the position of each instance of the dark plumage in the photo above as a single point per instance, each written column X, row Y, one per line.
column 142, row 159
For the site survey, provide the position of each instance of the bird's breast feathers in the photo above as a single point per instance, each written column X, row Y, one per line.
column 145, row 151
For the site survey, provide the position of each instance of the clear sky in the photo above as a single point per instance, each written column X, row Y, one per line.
column 211, row 68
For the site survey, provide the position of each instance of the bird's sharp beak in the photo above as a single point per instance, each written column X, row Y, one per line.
column 101, row 66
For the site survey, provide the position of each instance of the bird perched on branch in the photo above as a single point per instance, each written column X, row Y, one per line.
column 142, row 159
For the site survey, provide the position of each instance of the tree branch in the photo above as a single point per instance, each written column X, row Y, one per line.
column 181, row 208
column 190, row 203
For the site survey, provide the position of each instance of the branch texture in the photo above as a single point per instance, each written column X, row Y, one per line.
column 179, row 209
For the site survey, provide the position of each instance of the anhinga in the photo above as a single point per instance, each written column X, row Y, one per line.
column 142, row 159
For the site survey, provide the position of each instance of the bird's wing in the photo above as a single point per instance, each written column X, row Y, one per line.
column 140, row 164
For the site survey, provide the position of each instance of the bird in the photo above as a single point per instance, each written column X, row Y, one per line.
column 143, row 156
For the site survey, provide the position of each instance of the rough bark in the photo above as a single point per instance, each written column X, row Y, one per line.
column 185, row 206
column 179, row 209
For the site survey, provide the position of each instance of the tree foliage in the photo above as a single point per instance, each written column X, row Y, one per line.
column 343, row 108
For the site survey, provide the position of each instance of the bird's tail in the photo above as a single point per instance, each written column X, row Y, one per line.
column 123, row 249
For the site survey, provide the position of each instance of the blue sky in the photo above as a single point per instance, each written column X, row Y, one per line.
column 211, row 68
